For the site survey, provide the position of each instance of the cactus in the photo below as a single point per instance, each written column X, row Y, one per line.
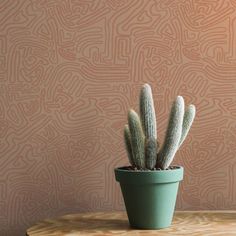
column 141, row 134
column 127, row 137
column 137, row 139
column 150, row 153
column 188, row 120
column 173, row 134
column 147, row 112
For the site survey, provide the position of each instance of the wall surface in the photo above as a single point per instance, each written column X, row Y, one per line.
column 69, row 72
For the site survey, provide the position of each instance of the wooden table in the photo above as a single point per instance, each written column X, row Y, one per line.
column 192, row 223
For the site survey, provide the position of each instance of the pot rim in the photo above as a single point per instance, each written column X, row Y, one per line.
column 148, row 177
column 148, row 171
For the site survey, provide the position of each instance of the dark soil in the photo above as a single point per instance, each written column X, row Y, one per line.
column 155, row 169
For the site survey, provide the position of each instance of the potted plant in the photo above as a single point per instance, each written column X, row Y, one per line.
column 150, row 185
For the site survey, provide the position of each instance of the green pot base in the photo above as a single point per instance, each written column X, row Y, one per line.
column 149, row 196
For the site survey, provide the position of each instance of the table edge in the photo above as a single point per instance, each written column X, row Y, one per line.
column 109, row 212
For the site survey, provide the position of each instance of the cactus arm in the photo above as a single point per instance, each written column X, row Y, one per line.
column 137, row 139
column 173, row 134
column 150, row 153
column 127, row 138
column 187, row 122
column 147, row 112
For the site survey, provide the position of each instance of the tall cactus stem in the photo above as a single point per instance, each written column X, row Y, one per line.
column 173, row 134
column 150, row 153
column 147, row 112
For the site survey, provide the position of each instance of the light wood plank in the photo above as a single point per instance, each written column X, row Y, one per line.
column 197, row 223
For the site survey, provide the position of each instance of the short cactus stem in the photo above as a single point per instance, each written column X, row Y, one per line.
column 137, row 139
column 187, row 122
column 127, row 137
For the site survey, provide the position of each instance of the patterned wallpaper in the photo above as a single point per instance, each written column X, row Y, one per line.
column 69, row 72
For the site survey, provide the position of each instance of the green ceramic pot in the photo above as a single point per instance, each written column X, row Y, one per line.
column 149, row 196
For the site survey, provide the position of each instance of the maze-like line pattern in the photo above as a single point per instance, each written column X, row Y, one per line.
column 69, row 72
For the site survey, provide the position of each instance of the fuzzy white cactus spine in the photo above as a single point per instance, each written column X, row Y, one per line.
column 137, row 139
column 150, row 153
column 187, row 122
column 173, row 134
column 127, row 137
column 148, row 119
column 147, row 112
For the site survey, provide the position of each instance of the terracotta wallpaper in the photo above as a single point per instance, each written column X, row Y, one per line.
column 69, row 72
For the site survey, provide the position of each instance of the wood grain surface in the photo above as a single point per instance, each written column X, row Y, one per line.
column 107, row 223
